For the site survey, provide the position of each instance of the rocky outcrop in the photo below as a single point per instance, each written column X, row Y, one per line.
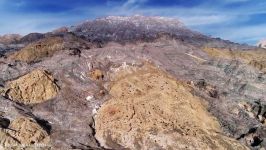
column 28, row 131
column 255, row 58
column 24, row 133
column 262, row 43
column 151, row 110
column 35, row 87
column 38, row 50
column 7, row 141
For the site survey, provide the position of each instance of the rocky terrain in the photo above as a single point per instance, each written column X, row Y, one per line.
column 9, row 38
column 131, row 83
column 262, row 43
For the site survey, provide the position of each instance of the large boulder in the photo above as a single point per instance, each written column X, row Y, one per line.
column 35, row 87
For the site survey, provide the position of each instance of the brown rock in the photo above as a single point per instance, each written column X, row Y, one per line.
column 96, row 74
column 151, row 110
column 35, row 87
column 6, row 141
column 26, row 134
column 27, row 131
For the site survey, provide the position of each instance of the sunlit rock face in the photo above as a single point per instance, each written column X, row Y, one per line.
column 35, row 87
column 131, row 83
column 151, row 110
column 262, row 43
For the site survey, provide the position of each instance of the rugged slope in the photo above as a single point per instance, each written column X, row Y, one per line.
column 140, row 28
column 206, row 93
column 151, row 110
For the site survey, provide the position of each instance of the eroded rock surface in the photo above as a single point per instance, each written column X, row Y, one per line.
column 24, row 133
column 7, row 141
column 27, row 131
column 151, row 110
column 35, row 87
column 37, row 50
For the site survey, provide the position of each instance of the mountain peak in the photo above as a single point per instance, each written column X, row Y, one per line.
column 138, row 19
column 9, row 38
column 132, row 28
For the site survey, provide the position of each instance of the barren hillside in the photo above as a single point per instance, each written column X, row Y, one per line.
column 131, row 83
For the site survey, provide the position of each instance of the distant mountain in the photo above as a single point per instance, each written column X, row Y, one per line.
column 142, row 28
column 9, row 38
column 32, row 37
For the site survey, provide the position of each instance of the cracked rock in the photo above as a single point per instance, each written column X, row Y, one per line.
column 151, row 110
column 35, row 87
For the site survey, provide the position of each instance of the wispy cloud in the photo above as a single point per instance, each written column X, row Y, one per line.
column 237, row 20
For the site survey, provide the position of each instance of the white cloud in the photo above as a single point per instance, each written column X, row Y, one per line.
column 201, row 17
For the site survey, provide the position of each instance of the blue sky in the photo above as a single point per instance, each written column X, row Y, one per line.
column 242, row 21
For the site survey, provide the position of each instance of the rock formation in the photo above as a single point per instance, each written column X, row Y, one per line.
column 35, row 87
column 38, row 50
column 27, row 131
column 262, row 44
column 149, row 109
column 24, row 133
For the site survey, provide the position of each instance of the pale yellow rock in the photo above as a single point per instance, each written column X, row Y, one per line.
column 151, row 110
column 38, row 50
column 28, row 132
column 35, row 87
column 26, row 135
column 6, row 141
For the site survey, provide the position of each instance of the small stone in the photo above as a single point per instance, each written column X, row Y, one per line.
column 96, row 74
column 261, row 118
column 89, row 98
